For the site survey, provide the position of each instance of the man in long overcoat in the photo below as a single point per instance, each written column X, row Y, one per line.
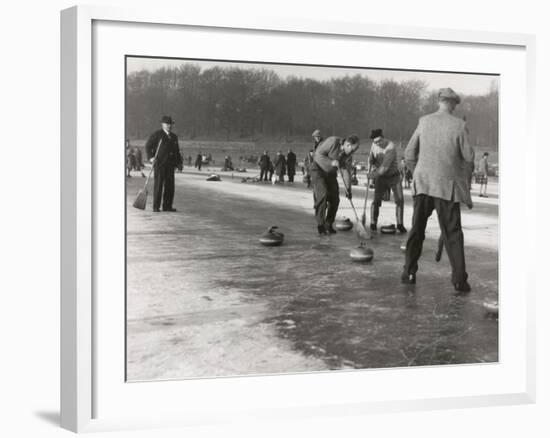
column 280, row 166
column 291, row 165
column 264, row 162
column 441, row 158
column 164, row 153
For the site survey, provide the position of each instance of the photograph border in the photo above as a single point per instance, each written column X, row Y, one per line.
column 78, row 198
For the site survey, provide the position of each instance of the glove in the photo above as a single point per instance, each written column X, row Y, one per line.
column 348, row 194
column 335, row 163
column 152, row 160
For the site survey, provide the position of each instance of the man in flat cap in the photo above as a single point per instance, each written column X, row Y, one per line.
column 164, row 153
column 442, row 160
column 384, row 170
column 331, row 155
column 317, row 138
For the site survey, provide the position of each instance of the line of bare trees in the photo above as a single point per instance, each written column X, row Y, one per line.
column 250, row 103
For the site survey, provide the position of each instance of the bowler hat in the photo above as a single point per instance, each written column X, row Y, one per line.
column 375, row 133
column 316, row 133
column 167, row 119
column 448, row 93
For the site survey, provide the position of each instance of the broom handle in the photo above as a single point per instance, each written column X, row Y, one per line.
column 366, row 198
column 153, row 163
column 349, row 190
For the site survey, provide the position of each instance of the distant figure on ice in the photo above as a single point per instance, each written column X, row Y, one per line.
column 308, row 162
column 139, row 161
column 483, row 172
column 331, row 155
column 271, row 170
column 291, row 165
column 280, row 167
column 130, row 159
column 164, row 153
column 385, row 173
column 406, row 174
column 438, row 152
column 227, row 163
column 264, row 162
column 198, row 161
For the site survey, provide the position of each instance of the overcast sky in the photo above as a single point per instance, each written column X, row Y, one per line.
column 460, row 82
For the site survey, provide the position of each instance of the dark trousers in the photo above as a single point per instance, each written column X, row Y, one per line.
column 291, row 172
column 263, row 174
column 164, row 187
column 381, row 186
column 326, row 196
column 448, row 213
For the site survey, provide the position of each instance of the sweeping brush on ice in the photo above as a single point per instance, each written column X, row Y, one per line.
column 141, row 198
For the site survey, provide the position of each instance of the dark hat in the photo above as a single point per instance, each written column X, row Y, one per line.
column 316, row 133
column 167, row 119
column 448, row 93
column 375, row 133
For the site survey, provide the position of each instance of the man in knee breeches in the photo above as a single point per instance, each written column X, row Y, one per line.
column 384, row 170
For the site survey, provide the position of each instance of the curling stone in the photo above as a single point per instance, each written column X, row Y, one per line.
column 361, row 254
column 272, row 237
column 344, row 224
column 388, row 229
column 491, row 307
column 214, row 177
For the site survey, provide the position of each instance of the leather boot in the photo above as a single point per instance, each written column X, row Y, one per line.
column 399, row 218
column 374, row 212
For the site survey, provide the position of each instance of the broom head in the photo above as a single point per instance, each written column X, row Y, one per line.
column 141, row 199
column 362, row 234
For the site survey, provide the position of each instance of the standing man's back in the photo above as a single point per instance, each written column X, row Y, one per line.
column 442, row 158
column 439, row 164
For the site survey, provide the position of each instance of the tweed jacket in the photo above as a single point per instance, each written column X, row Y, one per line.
column 328, row 151
column 441, row 158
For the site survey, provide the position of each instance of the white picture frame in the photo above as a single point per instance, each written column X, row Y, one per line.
column 82, row 369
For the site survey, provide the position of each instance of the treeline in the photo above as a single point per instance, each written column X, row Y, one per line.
column 237, row 103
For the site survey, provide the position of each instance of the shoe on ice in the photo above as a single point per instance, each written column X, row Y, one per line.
column 462, row 286
column 401, row 229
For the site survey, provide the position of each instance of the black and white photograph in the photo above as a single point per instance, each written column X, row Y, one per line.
column 272, row 220
column 300, row 218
